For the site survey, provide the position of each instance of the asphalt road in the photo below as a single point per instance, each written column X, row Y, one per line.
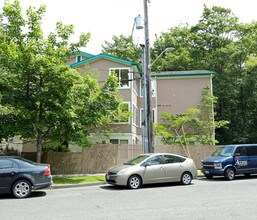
column 204, row 199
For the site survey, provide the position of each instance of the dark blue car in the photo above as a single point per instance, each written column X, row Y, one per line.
column 19, row 176
column 231, row 160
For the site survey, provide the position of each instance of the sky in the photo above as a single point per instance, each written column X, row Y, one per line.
column 106, row 18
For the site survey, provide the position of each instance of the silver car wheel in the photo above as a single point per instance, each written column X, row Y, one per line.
column 230, row 174
column 134, row 182
column 21, row 189
column 186, row 178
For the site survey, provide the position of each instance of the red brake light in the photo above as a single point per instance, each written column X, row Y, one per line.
column 47, row 171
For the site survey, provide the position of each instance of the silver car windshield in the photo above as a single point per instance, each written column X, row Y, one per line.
column 136, row 160
column 224, row 152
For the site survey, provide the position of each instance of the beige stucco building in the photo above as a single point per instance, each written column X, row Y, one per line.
column 173, row 92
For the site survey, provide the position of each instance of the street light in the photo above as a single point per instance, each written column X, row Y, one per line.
column 168, row 49
column 147, row 125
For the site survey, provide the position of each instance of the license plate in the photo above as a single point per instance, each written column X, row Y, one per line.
column 206, row 172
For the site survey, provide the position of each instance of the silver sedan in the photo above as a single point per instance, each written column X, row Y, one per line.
column 152, row 168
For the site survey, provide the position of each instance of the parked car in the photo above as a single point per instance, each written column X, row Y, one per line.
column 19, row 176
column 152, row 168
column 231, row 160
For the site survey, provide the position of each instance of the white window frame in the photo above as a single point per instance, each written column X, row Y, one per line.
column 120, row 140
column 129, row 76
column 153, row 87
column 125, row 122
column 135, row 115
column 154, row 115
column 141, row 87
column 141, row 117
column 135, row 83
column 77, row 58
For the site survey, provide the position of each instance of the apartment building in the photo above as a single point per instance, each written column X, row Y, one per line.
column 173, row 92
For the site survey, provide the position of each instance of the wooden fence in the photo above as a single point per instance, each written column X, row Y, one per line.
column 99, row 158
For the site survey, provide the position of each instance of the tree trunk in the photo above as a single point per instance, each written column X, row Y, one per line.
column 39, row 145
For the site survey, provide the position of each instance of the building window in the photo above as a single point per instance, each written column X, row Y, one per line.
column 123, row 141
column 141, row 87
column 118, row 141
column 135, row 84
column 123, row 76
column 134, row 115
column 142, row 117
column 78, row 59
column 123, row 117
column 153, row 88
column 153, row 115
column 114, row 141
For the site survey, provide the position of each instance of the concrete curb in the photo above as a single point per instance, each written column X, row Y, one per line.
column 63, row 186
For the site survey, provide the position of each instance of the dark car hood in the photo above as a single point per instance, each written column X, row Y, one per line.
column 215, row 159
column 118, row 168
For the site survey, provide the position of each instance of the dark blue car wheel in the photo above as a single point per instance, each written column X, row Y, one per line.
column 21, row 189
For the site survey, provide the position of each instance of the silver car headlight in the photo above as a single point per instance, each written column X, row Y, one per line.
column 217, row 165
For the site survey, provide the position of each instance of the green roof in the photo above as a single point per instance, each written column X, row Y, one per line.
column 191, row 73
column 108, row 57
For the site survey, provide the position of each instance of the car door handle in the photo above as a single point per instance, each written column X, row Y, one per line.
column 180, row 166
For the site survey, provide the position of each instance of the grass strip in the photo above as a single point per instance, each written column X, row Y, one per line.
column 78, row 179
column 199, row 173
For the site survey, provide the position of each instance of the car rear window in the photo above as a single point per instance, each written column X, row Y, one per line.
column 26, row 163
column 173, row 159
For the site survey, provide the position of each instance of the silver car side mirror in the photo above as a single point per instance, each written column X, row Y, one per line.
column 147, row 164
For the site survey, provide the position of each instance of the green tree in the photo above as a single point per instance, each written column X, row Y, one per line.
column 123, row 47
column 180, row 59
column 178, row 129
column 219, row 43
column 51, row 102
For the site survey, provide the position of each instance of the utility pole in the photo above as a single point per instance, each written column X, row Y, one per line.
column 147, row 73
column 147, row 122
column 144, row 91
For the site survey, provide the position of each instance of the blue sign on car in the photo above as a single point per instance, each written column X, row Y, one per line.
column 231, row 160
